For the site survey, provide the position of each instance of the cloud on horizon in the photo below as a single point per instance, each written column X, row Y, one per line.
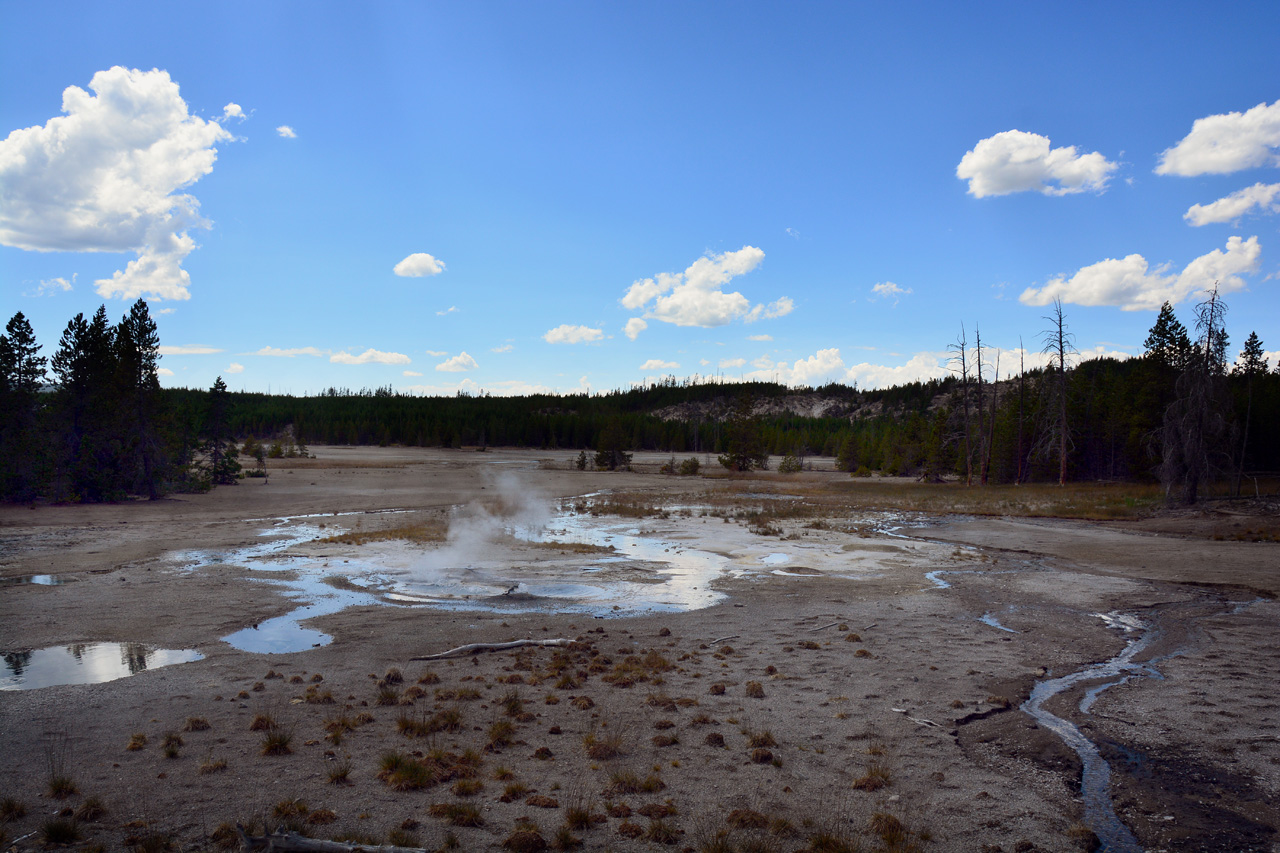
column 370, row 356
column 459, row 363
column 1129, row 284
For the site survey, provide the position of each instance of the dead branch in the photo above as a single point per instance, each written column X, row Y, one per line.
column 823, row 628
column 291, row 842
column 472, row 648
column 722, row 639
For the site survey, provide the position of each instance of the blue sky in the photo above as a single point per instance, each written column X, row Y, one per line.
column 587, row 195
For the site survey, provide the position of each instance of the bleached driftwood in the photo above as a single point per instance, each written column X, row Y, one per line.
column 722, row 639
column 472, row 648
column 290, row 842
column 823, row 627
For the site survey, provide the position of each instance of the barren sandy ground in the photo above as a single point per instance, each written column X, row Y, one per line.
column 854, row 698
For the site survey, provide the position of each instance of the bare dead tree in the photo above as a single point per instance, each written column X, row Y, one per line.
column 1059, row 345
column 960, row 356
column 1195, row 428
column 982, row 432
column 990, row 440
column 1022, row 397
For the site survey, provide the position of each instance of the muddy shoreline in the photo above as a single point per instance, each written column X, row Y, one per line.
column 1193, row 753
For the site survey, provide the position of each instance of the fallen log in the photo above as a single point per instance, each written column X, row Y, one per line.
column 291, row 842
column 472, row 648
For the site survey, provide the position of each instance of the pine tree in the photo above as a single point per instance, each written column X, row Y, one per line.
column 218, row 447
column 137, row 359
column 22, row 373
column 1167, row 343
column 1252, row 362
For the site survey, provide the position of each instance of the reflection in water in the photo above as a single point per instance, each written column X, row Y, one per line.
column 85, row 663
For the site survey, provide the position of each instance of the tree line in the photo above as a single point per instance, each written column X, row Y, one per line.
column 91, row 423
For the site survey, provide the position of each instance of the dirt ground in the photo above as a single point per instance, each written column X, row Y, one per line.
column 827, row 681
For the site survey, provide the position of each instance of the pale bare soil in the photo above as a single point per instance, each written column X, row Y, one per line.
column 925, row 698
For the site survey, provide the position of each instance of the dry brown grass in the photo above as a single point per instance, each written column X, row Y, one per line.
column 420, row 532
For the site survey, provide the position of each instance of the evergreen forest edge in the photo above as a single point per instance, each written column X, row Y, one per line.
column 91, row 422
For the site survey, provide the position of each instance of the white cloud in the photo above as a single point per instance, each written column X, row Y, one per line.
column 195, row 349
column 418, row 265
column 1272, row 358
column 459, row 363
column 450, row 310
column 696, row 297
column 286, row 132
column 503, row 348
column 1128, row 283
column 779, row 308
column 890, row 290
column 163, row 371
column 730, row 363
column 370, row 356
column 566, row 334
column 1265, row 197
column 54, row 285
column 1016, row 161
column 288, row 353
column 158, row 310
column 919, row 368
column 759, row 337
column 232, row 111
column 1229, row 142
column 634, row 327
column 659, row 364
column 791, row 232
column 104, row 178
column 235, row 367
column 824, row 364
column 412, row 373
column 436, row 353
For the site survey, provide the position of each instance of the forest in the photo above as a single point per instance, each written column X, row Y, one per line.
column 92, row 423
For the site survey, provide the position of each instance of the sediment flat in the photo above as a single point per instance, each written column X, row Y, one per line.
column 831, row 687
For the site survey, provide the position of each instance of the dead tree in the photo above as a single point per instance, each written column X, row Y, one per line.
column 1059, row 345
column 960, row 355
column 1195, row 428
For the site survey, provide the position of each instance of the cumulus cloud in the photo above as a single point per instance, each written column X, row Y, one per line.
column 659, row 364
column 730, row 363
column 634, row 327
column 1129, row 283
column 233, row 111
column 566, row 334
column 920, row 367
column 1229, row 142
column 759, row 337
column 1272, row 358
column 235, row 367
column 1265, row 197
column 890, row 290
column 1016, row 161
column 288, row 353
column 370, row 356
column 436, row 353
column 194, row 349
column 104, row 177
column 459, row 363
column 696, row 296
column 286, row 132
column 503, row 348
column 412, row 373
column 825, row 364
column 418, row 265
column 163, row 371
